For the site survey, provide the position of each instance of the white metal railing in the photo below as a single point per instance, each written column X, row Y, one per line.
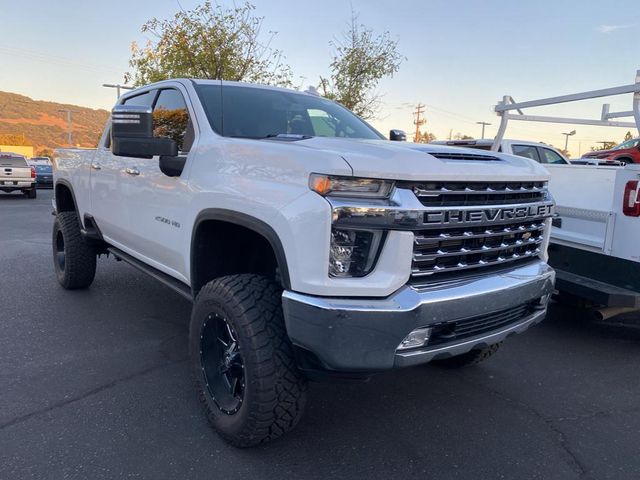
column 508, row 104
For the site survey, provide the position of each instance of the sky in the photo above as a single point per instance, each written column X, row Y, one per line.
column 461, row 56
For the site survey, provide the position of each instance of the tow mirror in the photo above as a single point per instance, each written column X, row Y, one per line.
column 132, row 134
column 397, row 135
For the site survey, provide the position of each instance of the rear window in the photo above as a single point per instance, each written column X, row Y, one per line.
column 12, row 161
column 43, row 168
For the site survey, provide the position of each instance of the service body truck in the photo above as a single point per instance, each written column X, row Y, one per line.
column 309, row 244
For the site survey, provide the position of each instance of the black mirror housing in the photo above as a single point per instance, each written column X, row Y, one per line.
column 132, row 134
column 396, row 135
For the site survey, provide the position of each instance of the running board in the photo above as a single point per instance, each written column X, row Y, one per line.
column 174, row 284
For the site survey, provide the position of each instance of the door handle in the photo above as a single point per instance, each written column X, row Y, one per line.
column 96, row 166
column 132, row 171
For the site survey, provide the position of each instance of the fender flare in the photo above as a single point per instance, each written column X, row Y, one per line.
column 66, row 184
column 251, row 223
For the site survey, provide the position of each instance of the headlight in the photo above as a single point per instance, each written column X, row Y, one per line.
column 327, row 185
column 353, row 252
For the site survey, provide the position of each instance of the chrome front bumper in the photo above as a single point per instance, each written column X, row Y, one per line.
column 361, row 334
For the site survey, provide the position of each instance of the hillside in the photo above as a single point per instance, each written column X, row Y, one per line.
column 43, row 126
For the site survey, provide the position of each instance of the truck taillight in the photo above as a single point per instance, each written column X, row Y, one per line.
column 630, row 205
column 33, row 172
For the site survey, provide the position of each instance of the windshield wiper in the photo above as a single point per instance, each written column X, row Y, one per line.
column 287, row 136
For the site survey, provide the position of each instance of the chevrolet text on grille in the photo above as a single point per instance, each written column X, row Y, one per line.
column 488, row 215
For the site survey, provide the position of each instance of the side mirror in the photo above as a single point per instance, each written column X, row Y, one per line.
column 132, row 134
column 397, row 135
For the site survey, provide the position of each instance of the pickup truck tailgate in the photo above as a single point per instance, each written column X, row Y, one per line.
column 14, row 168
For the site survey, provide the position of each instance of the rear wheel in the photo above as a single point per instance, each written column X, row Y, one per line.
column 243, row 362
column 468, row 359
column 74, row 259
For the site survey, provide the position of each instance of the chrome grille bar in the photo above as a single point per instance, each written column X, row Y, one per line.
column 420, row 257
column 419, row 272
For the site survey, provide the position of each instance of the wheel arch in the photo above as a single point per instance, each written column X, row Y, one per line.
column 65, row 199
column 242, row 221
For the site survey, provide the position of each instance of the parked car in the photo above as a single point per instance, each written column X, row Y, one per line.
column 17, row 174
column 309, row 244
column 540, row 152
column 626, row 152
column 44, row 176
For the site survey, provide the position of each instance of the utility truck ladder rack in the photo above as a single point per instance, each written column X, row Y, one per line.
column 508, row 105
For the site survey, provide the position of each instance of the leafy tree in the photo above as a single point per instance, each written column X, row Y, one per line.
column 211, row 42
column 462, row 136
column 426, row 137
column 14, row 139
column 361, row 59
column 564, row 152
column 44, row 152
column 604, row 146
column 627, row 136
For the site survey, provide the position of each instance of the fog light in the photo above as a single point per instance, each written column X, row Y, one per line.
column 417, row 338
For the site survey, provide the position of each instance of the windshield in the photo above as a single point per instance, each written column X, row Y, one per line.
column 628, row 144
column 249, row 112
column 12, row 161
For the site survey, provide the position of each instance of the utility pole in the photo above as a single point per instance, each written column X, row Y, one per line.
column 69, row 124
column 484, row 124
column 418, row 121
column 118, row 87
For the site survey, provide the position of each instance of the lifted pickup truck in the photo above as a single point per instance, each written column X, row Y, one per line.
column 17, row 174
column 309, row 244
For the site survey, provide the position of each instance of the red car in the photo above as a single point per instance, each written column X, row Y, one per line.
column 626, row 152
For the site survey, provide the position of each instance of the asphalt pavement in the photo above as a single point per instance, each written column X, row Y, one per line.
column 95, row 384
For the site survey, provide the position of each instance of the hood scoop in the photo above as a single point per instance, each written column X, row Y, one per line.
column 463, row 156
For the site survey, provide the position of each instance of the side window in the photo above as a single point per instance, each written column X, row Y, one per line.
column 171, row 119
column 526, row 151
column 549, row 156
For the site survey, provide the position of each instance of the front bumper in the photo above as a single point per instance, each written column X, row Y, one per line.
column 362, row 335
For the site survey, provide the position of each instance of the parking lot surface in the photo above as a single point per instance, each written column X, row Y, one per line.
column 95, row 384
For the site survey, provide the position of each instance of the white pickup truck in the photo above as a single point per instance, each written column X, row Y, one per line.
column 309, row 244
column 17, row 174
column 540, row 152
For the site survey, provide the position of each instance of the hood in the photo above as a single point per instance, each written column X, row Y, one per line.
column 599, row 153
column 416, row 161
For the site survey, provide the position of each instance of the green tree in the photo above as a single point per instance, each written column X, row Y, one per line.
column 361, row 59
column 211, row 42
column 426, row 137
column 604, row 146
column 462, row 136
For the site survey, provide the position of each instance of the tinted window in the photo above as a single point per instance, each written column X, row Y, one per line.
column 142, row 100
column 549, row 156
column 12, row 161
column 526, row 151
column 248, row 112
column 171, row 119
column 43, row 168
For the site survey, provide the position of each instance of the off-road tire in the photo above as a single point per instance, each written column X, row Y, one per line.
column 274, row 393
column 76, row 268
column 468, row 359
column 31, row 193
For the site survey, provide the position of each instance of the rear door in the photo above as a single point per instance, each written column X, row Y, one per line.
column 527, row 151
column 107, row 176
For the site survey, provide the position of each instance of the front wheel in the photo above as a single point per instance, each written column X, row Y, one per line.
column 243, row 362
column 468, row 359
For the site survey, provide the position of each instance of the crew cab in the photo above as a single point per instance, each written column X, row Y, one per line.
column 17, row 174
column 310, row 245
column 540, row 152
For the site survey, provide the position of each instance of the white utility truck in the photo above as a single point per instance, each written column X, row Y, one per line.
column 309, row 244
column 540, row 152
column 593, row 247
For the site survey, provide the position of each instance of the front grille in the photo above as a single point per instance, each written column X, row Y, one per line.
column 442, row 194
column 456, row 249
column 464, row 156
column 460, row 329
